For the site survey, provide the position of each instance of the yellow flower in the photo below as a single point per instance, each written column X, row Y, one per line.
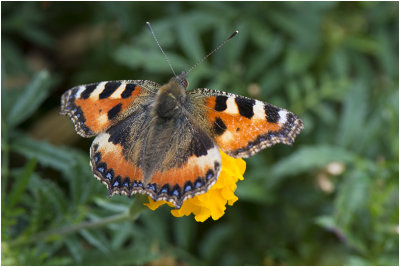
column 213, row 202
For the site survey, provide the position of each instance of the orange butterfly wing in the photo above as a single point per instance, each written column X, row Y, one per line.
column 243, row 126
column 95, row 107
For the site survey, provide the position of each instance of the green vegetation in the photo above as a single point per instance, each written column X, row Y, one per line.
column 330, row 199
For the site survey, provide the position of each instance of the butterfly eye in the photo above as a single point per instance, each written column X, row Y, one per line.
column 181, row 79
column 184, row 83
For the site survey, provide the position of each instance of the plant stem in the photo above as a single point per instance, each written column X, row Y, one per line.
column 85, row 225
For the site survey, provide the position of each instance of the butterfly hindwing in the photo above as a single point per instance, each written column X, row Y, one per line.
column 243, row 126
column 95, row 107
column 194, row 168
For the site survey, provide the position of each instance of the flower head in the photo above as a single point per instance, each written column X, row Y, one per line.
column 213, row 202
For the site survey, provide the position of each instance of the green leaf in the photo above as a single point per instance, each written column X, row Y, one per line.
column 351, row 203
column 30, row 99
column 156, row 226
column 82, row 183
column 252, row 191
column 185, row 231
column 140, row 254
column 46, row 154
column 353, row 197
column 122, row 233
column 75, row 247
column 189, row 39
column 301, row 27
column 261, row 61
column 353, row 116
column 112, row 206
column 213, row 242
column 309, row 158
column 20, row 185
column 386, row 52
column 54, row 194
column 13, row 62
column 297, row 60
column 38, row 36
column 151, row 60
column 39, row 208
column 96, row 239
column 327, row 222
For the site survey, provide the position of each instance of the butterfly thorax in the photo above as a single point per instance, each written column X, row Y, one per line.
column 171, row 97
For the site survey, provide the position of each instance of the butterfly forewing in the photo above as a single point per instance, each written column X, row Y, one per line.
column 95, row 107
column 243, row 126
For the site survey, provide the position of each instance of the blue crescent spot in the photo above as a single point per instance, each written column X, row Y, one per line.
column 198, row 184
column 188, row 188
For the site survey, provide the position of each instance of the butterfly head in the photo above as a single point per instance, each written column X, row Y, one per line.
column 181, row 79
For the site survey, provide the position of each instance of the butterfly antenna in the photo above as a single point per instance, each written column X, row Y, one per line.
column 213, row 51
column 162, row 51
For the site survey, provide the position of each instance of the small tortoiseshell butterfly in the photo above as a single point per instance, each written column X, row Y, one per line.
column 164, row 141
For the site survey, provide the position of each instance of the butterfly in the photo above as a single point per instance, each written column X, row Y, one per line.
column 165, row 140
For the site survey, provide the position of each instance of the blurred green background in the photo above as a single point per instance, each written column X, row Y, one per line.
column 330, row 199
